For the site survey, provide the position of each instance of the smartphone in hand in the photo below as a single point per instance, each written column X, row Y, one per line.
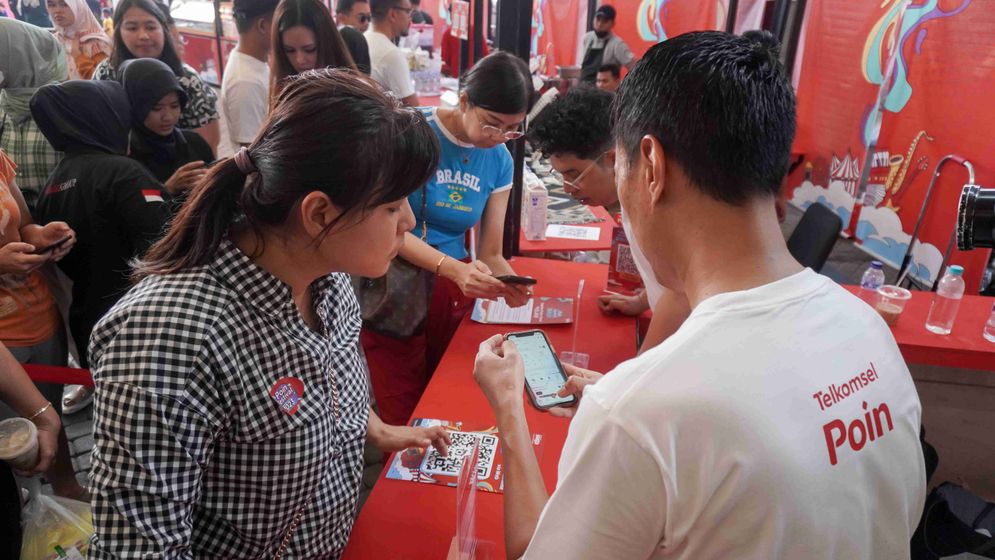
column 544, row 374
column 517, row 280
column 53, row 246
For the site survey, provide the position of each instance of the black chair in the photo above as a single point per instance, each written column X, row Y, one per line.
column 814, row 236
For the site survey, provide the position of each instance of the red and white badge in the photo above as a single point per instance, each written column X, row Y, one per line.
column 152, row 195
column 288, row 392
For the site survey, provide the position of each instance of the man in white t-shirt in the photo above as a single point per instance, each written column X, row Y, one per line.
column 245, row 87
column 780, row 421
column 388, row 65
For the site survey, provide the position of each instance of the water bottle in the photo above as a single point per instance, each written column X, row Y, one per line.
column 946, row 301
column 872, row 279
column 989, row 331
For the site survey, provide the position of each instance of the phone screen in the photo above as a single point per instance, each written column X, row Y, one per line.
column 543, row 375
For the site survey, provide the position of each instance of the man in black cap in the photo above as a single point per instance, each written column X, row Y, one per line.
column 245, row 86
column 601, row 46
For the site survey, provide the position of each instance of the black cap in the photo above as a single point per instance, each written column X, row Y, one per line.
column 251, row 9
column 605, row 12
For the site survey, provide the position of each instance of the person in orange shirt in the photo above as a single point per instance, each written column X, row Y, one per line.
column 30, row 325
column 84, row 39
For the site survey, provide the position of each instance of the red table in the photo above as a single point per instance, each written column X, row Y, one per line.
column 552, row 244
column 413, row 521
column 963, row 348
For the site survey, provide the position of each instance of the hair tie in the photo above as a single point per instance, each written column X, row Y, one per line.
column 244, row 161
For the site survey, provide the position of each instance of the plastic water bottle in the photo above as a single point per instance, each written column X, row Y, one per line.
column 946, row 301
column 989, row 331
column 872, row 279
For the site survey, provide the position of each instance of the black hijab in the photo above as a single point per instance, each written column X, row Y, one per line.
column 146, row 81
column 83, row 113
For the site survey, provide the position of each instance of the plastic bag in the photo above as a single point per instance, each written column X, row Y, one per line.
column 55, row 528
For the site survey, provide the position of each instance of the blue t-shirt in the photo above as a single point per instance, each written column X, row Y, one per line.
column 458, row 193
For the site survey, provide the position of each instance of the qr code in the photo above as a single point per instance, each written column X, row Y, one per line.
column 451, row 464
column 625, row 263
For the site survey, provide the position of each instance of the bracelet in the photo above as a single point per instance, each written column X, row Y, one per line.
column 438, row 266
column 41, row 410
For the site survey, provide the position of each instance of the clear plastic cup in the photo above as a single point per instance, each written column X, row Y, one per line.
column 891, row 303
column 19, row 443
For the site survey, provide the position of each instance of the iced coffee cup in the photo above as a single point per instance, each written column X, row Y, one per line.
column 891, row 303
column 19, row 443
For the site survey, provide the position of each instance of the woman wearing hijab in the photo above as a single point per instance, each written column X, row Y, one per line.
column 81, row 35
column 115, row 207
column 30, row 57
column 174, row 156
column 141, row 30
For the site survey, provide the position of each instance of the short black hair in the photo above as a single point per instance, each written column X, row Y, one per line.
column 578, row 123
column 247, row 12
column 345, row 6
column 380, row 9
column 500, row 82
column 720, row 105
column 615, row 69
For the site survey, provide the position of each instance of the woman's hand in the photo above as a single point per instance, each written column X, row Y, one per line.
column 474, row 279
column 19, row 258
column 516, row 296
column 49, row 427
column 577, row 380
column 51, row 233
column 389, row 438
column 186, row 177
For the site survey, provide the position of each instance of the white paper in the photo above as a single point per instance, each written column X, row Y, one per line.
column 583, row 233
column 500, row 312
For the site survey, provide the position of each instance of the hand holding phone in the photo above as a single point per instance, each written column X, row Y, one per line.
column 544, row 375
column 53, row 246
column 517, row 280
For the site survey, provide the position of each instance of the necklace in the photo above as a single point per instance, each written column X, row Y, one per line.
column 464, row 151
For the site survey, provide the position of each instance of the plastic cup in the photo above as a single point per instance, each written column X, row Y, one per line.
column 891, row 303
column 19, row 443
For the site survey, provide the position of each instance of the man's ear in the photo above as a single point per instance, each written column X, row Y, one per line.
column 654, row 166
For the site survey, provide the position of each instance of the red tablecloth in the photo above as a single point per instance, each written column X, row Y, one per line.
column 552, row 244
column 965, row 347
column 413, row 521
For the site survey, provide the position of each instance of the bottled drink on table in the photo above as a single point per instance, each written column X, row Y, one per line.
column 946, row 301
column 872, row 280
column 989, row 331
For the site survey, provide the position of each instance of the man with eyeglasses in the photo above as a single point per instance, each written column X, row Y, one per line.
column 575, row 133
column 388, row 65
column 353, row 13
column 353, row 19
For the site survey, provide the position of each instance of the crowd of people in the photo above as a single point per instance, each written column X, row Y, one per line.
column 210, row 294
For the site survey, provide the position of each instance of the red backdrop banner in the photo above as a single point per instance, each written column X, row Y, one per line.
column 937, row 102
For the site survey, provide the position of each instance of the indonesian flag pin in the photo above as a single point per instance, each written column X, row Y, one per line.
column 287, row 392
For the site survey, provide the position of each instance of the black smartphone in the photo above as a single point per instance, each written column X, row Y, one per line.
column 53, row 246
column 544, row 374
column 517, row 280
column 211, row 164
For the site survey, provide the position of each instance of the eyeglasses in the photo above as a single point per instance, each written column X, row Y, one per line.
column 495, row 131
column 575, row 184
column 365, row 18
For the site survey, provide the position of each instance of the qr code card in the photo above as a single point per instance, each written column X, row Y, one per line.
column 462, row 446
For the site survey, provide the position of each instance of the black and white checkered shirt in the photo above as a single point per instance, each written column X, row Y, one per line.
column 192, row 457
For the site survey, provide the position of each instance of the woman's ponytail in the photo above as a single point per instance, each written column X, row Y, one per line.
column 201, row 224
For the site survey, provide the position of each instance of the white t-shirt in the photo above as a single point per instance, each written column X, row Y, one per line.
column 388, row 65
column 778, row 422
column 244, row 101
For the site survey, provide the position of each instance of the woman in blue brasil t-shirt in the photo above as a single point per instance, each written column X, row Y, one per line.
column 471, row 186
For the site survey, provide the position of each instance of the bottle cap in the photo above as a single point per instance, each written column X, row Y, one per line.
column 876, row 264
column 956, row 270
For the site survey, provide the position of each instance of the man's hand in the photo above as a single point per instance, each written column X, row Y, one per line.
column 577, row 379
column 397, row 438
column 626, row 305
column 500, row 374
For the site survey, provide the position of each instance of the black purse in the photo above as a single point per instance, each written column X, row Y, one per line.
column 396, row 304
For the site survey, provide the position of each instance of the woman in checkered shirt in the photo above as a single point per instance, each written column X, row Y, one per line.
column 231, row 403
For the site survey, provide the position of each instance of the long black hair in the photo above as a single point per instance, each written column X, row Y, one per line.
column 121, row 52
column 500, row 82
column 331, row 130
